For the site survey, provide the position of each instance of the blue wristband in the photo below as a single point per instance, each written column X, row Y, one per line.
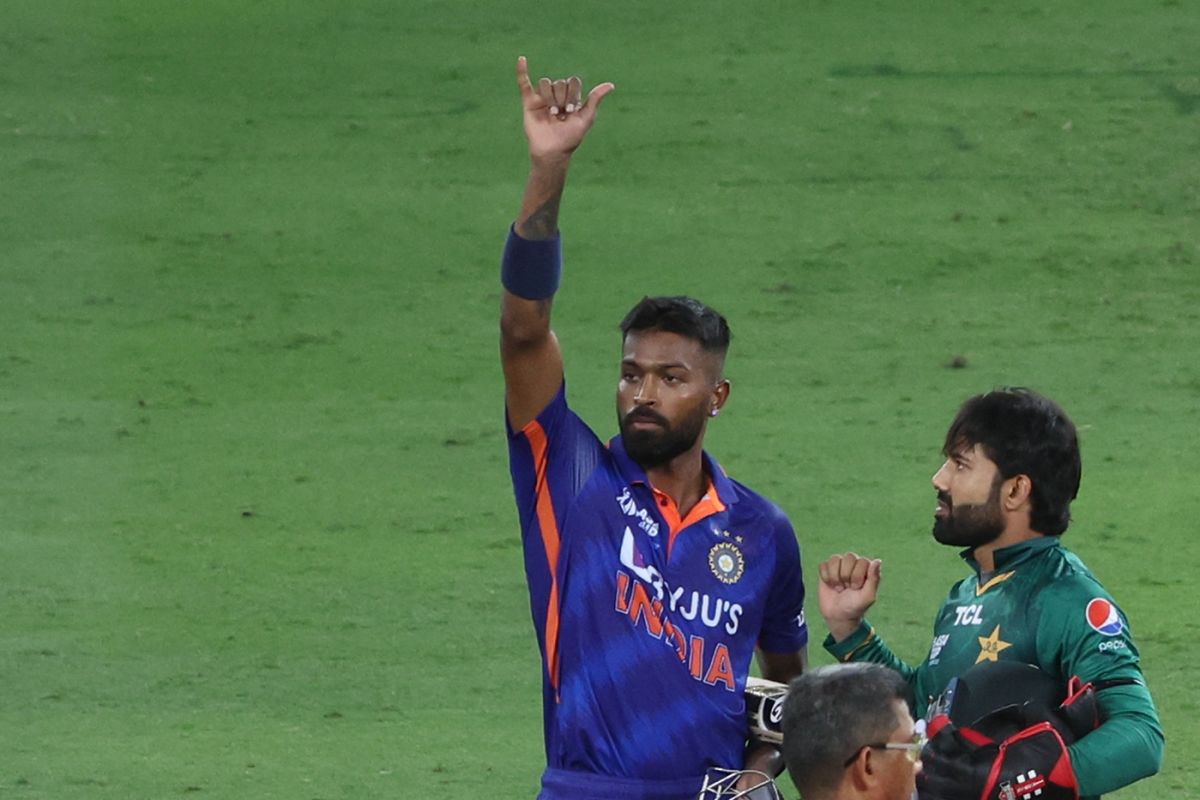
column 531, row 269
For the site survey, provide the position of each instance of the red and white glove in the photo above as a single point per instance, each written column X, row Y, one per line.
column 964, row 764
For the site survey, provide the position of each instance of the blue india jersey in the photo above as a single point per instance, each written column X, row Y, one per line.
column 647, row 623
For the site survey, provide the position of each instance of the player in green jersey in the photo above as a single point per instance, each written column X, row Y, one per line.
column 1004, row 492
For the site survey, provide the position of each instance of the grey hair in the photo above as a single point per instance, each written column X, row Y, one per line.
column 831, row 712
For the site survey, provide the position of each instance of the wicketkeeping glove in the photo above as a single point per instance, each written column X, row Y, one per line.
column 964, row 764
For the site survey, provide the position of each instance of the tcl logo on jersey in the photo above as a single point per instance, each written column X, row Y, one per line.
column 1103, row 617
column 968, row 615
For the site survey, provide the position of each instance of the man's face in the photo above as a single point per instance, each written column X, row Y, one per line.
column 968, row 488
column 899, row 770
column 669, row 387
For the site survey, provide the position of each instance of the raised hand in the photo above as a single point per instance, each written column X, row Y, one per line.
column 849, row 586
column 556, row 118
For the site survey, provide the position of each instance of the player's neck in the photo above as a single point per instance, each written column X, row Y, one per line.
column 682, row 479
column 985, row 554
column 847, row 791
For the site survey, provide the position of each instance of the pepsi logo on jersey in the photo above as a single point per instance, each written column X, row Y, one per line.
column 1103, row 617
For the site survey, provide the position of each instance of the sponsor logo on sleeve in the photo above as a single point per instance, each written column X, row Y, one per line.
column 1102, row 616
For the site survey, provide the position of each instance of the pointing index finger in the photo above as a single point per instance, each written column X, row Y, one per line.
column 523, row 77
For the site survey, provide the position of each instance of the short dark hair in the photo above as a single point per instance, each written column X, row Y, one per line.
column 829, row 714
column 683, row 315
column 1025, row 433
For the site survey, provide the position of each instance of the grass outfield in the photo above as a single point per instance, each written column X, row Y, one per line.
column 256, row 532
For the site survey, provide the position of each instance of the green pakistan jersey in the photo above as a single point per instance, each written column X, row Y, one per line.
column 1040, row 606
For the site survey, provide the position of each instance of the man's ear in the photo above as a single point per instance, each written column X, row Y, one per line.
column 720, row 395
column 861, row 772
column 1017, row 492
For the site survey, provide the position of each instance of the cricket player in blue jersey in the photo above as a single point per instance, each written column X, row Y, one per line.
column 653, row 577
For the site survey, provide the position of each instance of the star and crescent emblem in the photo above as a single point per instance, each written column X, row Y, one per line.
column 990, row 646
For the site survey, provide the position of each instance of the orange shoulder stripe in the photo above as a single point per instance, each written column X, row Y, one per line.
column 550, row 542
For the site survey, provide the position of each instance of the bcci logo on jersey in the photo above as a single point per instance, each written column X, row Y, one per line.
column 726, row 562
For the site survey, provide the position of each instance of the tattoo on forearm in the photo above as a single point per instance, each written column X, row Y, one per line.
column 543, row 222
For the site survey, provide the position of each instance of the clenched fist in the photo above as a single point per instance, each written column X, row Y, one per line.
column 849, row 586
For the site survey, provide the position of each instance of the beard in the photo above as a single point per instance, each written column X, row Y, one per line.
column 971, row 524
column 653, row 447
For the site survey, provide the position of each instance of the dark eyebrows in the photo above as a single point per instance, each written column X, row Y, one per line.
column 654, row 366
column 959, row 449
column 963, row 454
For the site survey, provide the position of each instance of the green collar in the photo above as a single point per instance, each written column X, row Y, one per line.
column 1009, row 557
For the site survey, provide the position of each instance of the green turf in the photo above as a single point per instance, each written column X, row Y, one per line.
column 256, row 532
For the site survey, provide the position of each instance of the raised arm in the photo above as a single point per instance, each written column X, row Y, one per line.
column 556, row 121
